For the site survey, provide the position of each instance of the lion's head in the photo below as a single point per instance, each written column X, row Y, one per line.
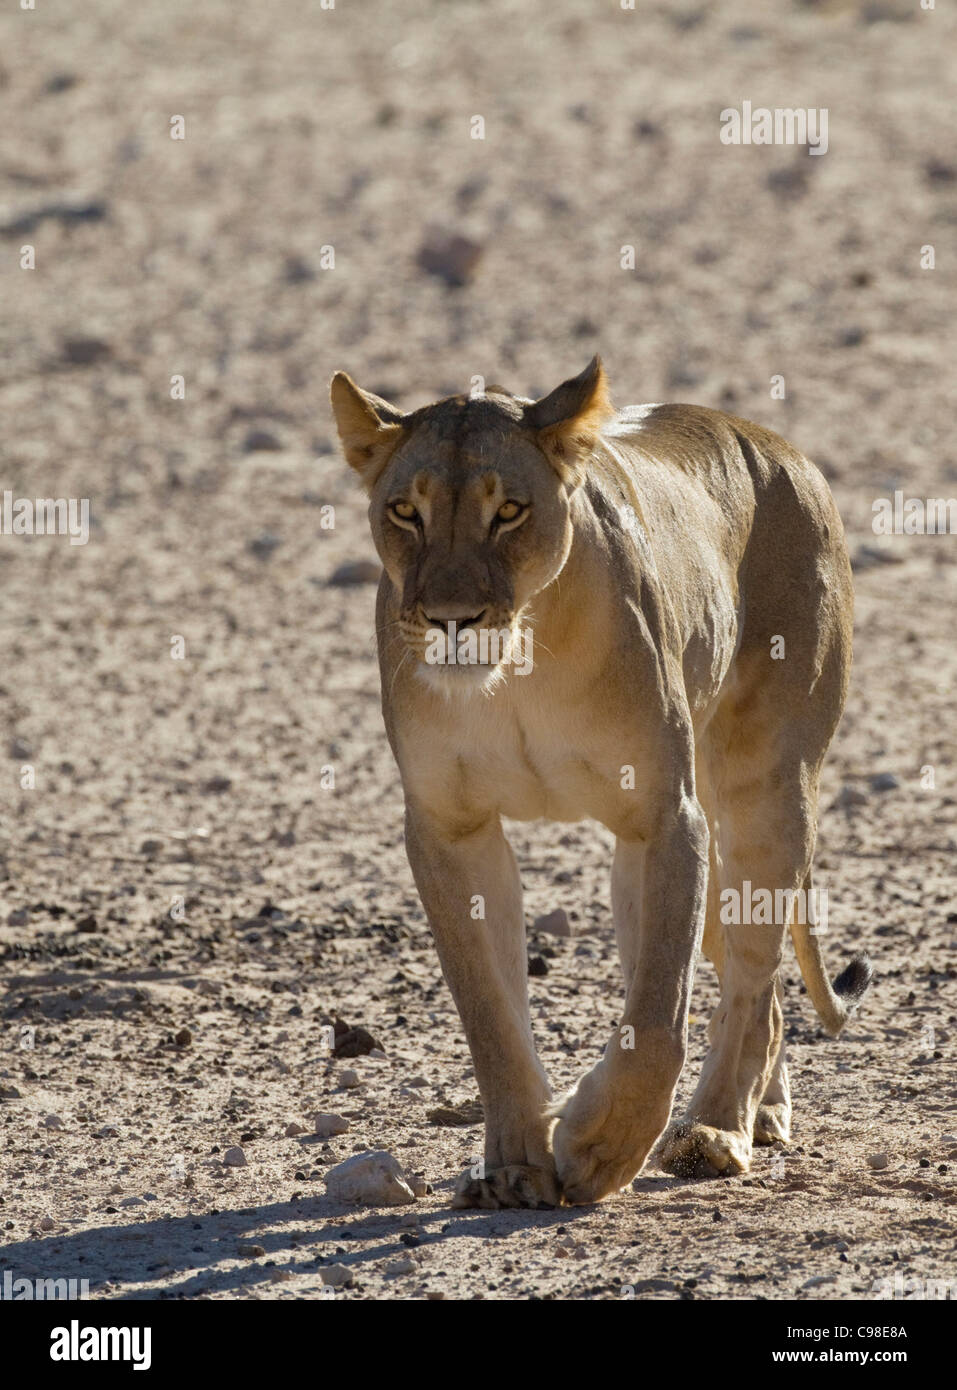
column 470, row 511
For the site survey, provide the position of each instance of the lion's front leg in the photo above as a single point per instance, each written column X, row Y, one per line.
column 610, row 1122
column 472, row 894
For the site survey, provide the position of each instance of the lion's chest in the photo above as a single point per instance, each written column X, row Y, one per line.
column 538, row 770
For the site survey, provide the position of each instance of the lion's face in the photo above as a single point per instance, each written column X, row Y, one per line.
column 470, row 513
column 470, row 526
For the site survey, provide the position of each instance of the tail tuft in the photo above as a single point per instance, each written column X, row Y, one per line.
column 853, row 982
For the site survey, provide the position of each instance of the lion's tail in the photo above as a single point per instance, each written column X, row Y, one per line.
column 834, row 1002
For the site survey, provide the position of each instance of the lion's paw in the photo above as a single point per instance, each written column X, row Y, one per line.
column 515, row 1185
column 772, row 1124
column 598, row 1142
column 700, row 1151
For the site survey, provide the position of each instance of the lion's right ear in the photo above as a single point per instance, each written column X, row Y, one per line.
column 369, row 427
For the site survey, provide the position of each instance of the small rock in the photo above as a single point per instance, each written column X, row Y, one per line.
column 132, row 1202
column 9, row 1093
column 349, row 1079
column 449, row 256
column 53, row 1122
column 293, row 1129
column 234, row 1158
column 939, row 172
column 336, row 1276
column 87, row 925
column 434, row 1295
column 884, row 782
column 878, row 1161
column 554, row 923
column 106, row 1132
column 398, row 1267
column 328, row 1125
column 47, row 1223
column 356, row 1042
column 468, row 1113
column 263, row 545
column 867, row 557
column 297, row 271
column 215, row 786
column 252, row 1251
column 279, row 1276
column 355, row 572
column 819, row 1279
column 375, row 1179
column 847, row 797
column 183, row 1038
column 537, row 965
column 261, row 442
column 84, row 352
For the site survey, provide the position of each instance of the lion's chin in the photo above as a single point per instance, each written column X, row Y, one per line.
column 461, row 680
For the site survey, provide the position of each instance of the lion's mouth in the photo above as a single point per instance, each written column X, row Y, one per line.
column 456, row 650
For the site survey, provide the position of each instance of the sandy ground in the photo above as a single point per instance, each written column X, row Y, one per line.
column 184, row 903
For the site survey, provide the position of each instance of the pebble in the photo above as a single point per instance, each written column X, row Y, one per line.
column 355, row 572
column 449, row 255
column 880, row 1160
column 848, row 796
column 328, row 1125
column 234, row 1158
column 183, row 1038
column 349, row 1079
column 356, row 1042
column 263, row 545
column 106, row 1132
column 279, row 1276
column 336, row 1276
column 884, row 782
column 397, row 1267
column 554, row 923
column 375, row 1179
column 293, row 1129
column 252, row 1251
column 260, row 441
column 53, row 1122
column 132, row 1202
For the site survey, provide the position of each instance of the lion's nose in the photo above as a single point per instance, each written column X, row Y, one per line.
column 444, row 615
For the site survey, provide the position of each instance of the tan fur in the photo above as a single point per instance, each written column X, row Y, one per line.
column 659, row 552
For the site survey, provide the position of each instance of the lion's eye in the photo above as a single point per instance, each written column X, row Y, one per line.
column 508, row 511
column 404, row 511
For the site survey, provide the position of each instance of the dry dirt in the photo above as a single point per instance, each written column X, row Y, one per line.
column 179, row 863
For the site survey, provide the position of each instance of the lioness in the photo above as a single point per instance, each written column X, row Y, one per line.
column 684, row 581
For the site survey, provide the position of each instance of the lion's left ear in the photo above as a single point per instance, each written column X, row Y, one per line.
column 568, row 420
column 369, row 427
